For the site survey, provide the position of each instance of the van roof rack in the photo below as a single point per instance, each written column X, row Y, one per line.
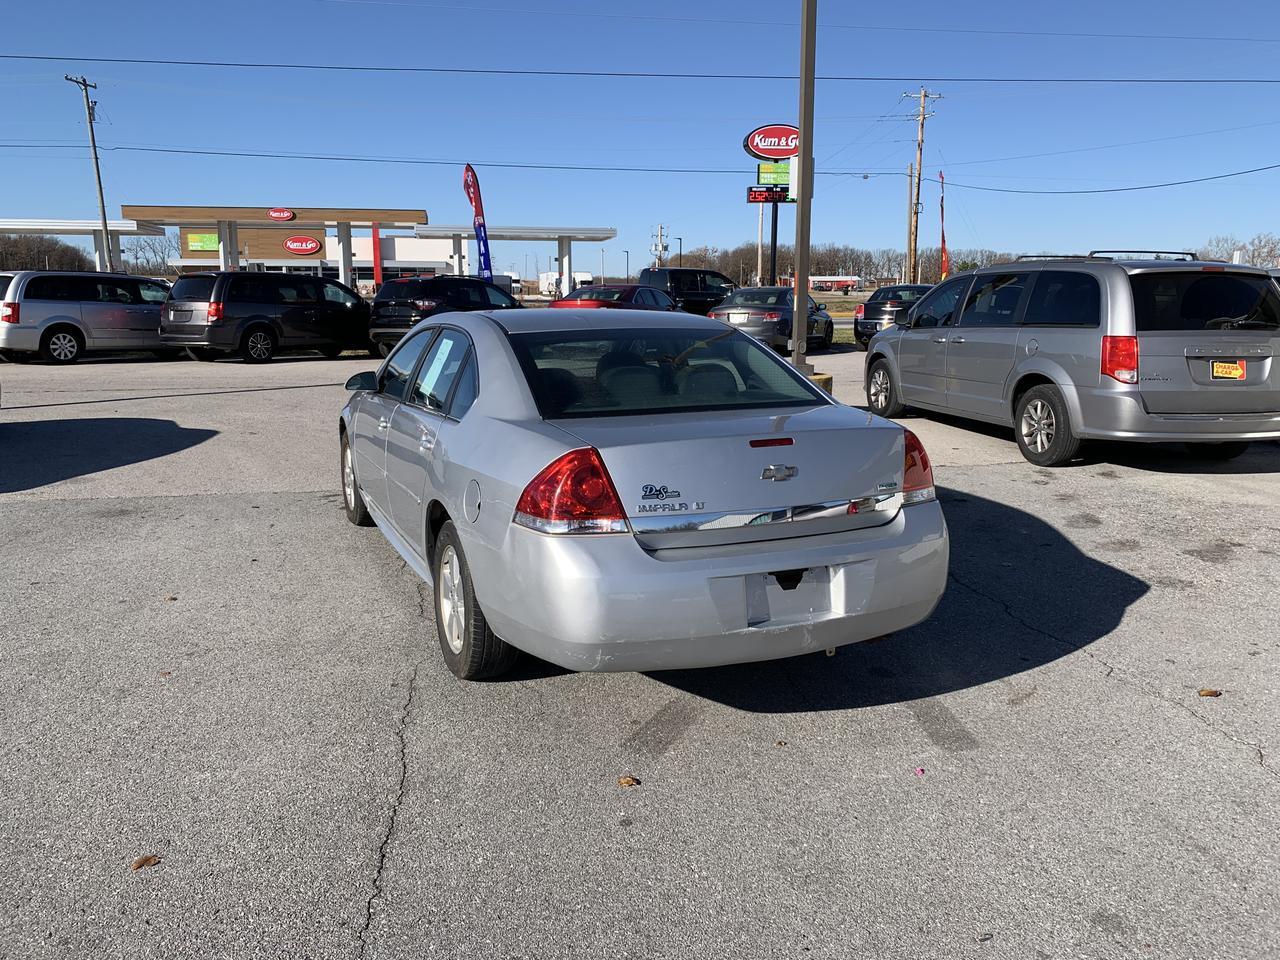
column 1142, row 254
column 1055, row 256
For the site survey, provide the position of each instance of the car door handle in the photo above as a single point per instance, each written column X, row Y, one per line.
column 957, row 339
column 426, row 442
column 382, row 424
column 939, row 339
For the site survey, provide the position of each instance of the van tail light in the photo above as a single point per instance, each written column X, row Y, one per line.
column 917, row 473
column 1120, row 358
column 10, row 312
column 573, row 494
column 215, row 311
column 860, row 311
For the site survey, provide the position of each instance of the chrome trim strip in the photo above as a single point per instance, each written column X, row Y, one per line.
column 670, row 523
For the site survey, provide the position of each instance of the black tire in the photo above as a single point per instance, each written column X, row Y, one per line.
column 258, row 345
column 1220, row 450
column 828, row 335
column 203, row 354
column 384, row 350
column 352, row 498
column 331, row 351
column 61, row 345
column 882, row 393
column 1042, row 427
column 475, row 652
column 375, row 351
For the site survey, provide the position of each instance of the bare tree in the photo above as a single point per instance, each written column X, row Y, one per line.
column 149, row 256
column 30, row 252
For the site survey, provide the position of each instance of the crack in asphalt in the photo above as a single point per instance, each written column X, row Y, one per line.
column 401, row 750
column 1119, row 677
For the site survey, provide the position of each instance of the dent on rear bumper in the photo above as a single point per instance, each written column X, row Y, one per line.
column 601, row 603
column 1107, row 415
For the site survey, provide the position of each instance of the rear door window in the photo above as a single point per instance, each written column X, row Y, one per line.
column 439, row 370
column 254, row 288
column 995, row 300
column 1063, row 298
column 339, row 295
column 112, row 291
column 295, row 291
column 1203, row 300
column 192, row 289
column 497, row 298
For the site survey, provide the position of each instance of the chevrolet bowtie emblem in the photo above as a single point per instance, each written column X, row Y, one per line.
column 778, row 471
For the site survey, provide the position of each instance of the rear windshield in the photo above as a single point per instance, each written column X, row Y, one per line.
column 906, row 294
column 411, row 288
column 1199, row 300
column 4, row 283
column 610, row 294
column 610, row 373
column 767, row 297
column 192, row 289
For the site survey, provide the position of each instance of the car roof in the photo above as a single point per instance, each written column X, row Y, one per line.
column 778, row 287
column 546, row 319
column 1128, row 266
column 611, row 286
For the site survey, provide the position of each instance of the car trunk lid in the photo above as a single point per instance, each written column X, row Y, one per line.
column 1207, row 341
column 746, row 476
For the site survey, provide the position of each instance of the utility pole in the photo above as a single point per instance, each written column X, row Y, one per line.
column 911, row 219
column 913, row 260
column 89, row 108
column 659, row 247
column 602, row 263
column 804, row 198
column 627, row 254
column 679, row 251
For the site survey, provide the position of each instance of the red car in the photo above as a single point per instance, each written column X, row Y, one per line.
column 628, row 296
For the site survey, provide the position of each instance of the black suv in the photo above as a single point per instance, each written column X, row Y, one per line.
column 403, row 302
column 257, row 315
column 694, row 289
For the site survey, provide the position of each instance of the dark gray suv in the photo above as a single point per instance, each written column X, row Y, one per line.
column 257, row 315
column 1096, row 347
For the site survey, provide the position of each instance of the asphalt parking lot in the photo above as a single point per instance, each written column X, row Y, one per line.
column 203, row 662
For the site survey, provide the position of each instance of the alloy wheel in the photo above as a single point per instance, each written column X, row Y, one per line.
column 259, row 345
column 63, row 346
column 1038, row 426
column 348, row 478
column 879, row 388
column 452, row 599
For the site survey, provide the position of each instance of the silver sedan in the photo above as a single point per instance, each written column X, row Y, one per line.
column 608, row 491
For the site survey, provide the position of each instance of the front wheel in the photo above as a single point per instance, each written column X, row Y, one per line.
column 471, row 650
column 828, row 335
column 1221, row 450
column 1043, row 427
column 352, row 498
column 882, row 396
column 258, row 345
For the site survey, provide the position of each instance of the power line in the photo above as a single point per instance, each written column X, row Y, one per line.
column 1145, row 186
column 731, row 21
column 632, row 74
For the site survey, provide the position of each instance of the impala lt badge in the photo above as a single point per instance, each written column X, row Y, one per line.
column 778, row 471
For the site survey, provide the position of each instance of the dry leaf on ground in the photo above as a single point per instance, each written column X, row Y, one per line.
column 628, row 782
column 150, row 860
column 1210, row 692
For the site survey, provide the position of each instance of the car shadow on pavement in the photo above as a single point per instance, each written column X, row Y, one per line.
column 1019, row 595
column 36, row 453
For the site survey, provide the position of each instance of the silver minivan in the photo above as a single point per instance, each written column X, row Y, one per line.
column 1066, row 349
column 61, row 316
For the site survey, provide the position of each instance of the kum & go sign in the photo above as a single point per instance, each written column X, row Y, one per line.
column 773, row 141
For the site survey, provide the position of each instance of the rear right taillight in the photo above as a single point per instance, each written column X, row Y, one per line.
column 573, row 494
column 917, row 473
column 10, row 312
column 215, row 312
column 426, row 304
column 1120, row 358
column 860, row 311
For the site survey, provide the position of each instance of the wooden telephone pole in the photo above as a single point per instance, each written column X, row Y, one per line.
column 913, row 233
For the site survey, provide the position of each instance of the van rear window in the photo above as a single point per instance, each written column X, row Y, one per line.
column 1201, row 300
column 410, row 289
column 192, row 290
column 4, row 283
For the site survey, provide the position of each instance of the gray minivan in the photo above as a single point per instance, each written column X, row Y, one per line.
column 61, row 316
column 1095, row 347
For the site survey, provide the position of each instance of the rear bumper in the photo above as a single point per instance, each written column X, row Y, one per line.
column 388, row 335
column 1107, row 415
column 863, row 331
column 216, row 336
column 602, row 603
column 14, row 336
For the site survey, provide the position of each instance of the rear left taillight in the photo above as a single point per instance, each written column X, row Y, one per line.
column 215, row 312
column 10, row 312
column 426, row 304
column 917, row 473
column 771, row 315
column 1120, row 358
column 573, row 494
column 860, row 311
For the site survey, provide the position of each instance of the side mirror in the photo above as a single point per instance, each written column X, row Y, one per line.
column 822, row 306
column 368, row 380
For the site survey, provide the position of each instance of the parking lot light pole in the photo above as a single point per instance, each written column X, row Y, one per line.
column 627, row 254
column 804, row 201
column 679, row 251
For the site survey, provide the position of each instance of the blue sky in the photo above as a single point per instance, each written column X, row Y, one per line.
column 657, row 122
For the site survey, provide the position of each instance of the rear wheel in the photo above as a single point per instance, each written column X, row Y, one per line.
column 61, row 345
column 258, row 345
column 352, row 499
column 383, row 350
column 1043, row 427
column 1222, row 450
column 882, row 396
column 331, row 351
column 828, row 335
column 471, row 650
